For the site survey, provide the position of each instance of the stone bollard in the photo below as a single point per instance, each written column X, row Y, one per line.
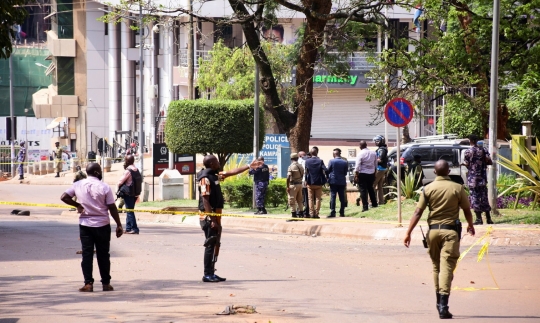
column 43, row 167
column 36, row 168
column 108, row 164
column 171, row 185
column 50, row 167
column 30, row 169
column 74, row 163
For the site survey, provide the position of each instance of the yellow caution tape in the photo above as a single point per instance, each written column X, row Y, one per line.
column 192, row 213
column 484, row 250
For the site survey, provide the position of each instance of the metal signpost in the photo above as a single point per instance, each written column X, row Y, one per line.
column 398, row 113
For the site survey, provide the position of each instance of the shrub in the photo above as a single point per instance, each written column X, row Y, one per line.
column 238, row 192
column 530, row 181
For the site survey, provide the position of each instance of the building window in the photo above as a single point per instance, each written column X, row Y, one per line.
column 65, row 75
column 65, row 19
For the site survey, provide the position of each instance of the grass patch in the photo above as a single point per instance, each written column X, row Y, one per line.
column 387, row 212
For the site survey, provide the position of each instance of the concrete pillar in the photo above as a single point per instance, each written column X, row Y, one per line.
column 148, row 86
column 128, row 79
column 115, row 102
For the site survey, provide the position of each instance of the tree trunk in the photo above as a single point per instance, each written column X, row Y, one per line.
column 313, row 39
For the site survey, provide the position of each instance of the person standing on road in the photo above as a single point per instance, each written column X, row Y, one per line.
column 302, row 157
column 444, row 198
column 295, row 174
column 382, row 168
column 211, row 202
column 261, row 176
column 58, row 158
column 477, row 159
column 315, row 179
column 129, row 200
column 337, row 178
column 95, row 202
column 366, row 165
column 21, row 157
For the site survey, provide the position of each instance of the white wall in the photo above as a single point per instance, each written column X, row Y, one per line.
column 97, row 47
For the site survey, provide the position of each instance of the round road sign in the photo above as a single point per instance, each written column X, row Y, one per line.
column 398, row 112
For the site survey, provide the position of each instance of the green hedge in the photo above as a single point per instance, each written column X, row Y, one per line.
column 238, row 192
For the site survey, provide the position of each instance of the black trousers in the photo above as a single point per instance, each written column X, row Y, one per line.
column 340, row 191
column 209, row 249
column 306, row 200
column 365, row 185
column 100, row 238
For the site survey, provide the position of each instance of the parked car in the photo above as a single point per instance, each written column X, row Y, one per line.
column 431, row 153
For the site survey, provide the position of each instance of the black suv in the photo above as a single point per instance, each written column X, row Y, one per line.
column 431, row 153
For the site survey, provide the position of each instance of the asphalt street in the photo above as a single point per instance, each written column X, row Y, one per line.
column 157, row 278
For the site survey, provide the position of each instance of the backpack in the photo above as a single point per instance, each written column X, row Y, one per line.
column 136, row 183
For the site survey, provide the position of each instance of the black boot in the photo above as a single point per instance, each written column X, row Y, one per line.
column 263, row 211
column 443, row 308
column 438, row 300
column 21, row 177
column 478, row 218
column 293, row 213
column 488, row 218
column 301, row 214
column 258, row 211
column 57, row 175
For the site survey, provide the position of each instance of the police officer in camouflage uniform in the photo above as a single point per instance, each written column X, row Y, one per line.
column 295, row 174
column 444, row 198
column 261, row 176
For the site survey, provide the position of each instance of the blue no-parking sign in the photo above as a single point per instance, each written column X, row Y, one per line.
column 398, row 112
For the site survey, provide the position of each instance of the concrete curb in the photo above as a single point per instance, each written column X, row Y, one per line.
column 502, row 235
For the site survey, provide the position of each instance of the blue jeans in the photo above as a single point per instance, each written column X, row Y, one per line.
column 131, row 221
column 340, row 190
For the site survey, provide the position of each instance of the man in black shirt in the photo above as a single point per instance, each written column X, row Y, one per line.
column 211, row 202
column 261, row 176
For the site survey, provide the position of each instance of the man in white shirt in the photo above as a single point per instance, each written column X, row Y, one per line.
column 366, row 165
column 302, row 161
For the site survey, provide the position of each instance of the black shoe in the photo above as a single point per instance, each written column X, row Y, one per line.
column 263, row 211
column 488, row 218
column 307, row 216
column 57, row 175
column 443, row 308
column 357, row 202
column 21, row 178
column 331, row 216
column 293, row 214
column 258, row 211
column 376, row 205
column 365, row 210
column 478, row 218
column 220, row 279
column 341, row 215
column 315, row 217
column 301, row 214
column 210, row 279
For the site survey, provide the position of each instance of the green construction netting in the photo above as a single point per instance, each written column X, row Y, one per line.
column 28, row 79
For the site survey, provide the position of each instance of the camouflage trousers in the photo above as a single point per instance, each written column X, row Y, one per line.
column 260, row 193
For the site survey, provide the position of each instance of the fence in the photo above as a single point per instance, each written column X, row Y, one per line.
column 5, row 158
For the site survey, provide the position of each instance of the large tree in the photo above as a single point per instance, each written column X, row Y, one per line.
column 322, row 17
column 11, row 12
column 453, row 56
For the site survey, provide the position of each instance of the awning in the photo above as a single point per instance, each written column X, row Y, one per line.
column 55, row 123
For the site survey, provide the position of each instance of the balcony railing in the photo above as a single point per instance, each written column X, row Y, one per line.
column 357, row 60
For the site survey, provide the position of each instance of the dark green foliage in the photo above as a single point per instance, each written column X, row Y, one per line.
column 220, row 127
column 238, row 192
column 9, row 15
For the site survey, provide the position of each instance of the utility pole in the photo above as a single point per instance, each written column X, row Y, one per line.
column 493, row 108
column 191, row 86
column 256, row 123
column 141, row 101
column 12, row 115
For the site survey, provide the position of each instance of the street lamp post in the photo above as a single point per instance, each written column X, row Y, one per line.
column 141, row 101
column 12, row 115
column 493, row 108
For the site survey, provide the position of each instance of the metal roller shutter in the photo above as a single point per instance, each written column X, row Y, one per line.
column 344, row 114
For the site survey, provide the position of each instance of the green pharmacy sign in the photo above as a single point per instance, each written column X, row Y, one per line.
column 334, row 79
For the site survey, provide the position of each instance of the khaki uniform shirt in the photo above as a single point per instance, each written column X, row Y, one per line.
column 295, row 172
column 444, row 199
column 58, row 153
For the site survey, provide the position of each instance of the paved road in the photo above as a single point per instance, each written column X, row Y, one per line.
column 289, row 278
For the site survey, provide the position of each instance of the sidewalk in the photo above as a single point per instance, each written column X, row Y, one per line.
column 350, row 228
column 66, row 178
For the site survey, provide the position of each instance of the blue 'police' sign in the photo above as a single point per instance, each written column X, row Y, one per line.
column 270, row 148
